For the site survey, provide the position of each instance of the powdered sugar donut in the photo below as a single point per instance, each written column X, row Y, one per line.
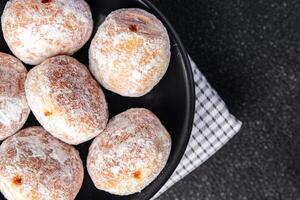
column 37, row 166
column 66, row 100
column 38, row 29
column 130, row 153
column 130, row 52
column 14, row 109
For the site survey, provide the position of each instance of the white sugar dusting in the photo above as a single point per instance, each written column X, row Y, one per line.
column 127, row 62
column 14, row 109
column 78, row 112
column 36, row 155
column 126, row 148
column 11, row 110
column 46, row 30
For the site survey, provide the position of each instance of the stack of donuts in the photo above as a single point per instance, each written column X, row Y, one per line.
column 128, row 55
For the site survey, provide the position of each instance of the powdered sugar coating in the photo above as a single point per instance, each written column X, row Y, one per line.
column 14, row 109
column 37, row 166
column 66, row 100
column 37, row 29
column 130, row 52
column 130, row 153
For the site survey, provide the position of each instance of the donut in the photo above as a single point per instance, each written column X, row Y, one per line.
column 38, row 29
column 130, row 153
column 130, row 52
column 66, row 100
column 37, row 166
column 14, row 109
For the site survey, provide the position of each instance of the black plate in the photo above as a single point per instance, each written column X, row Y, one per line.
column 172, row 100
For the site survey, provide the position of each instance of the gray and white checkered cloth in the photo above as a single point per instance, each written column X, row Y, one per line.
column 213, row 127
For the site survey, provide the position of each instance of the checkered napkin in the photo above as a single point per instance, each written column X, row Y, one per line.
column 213, row 127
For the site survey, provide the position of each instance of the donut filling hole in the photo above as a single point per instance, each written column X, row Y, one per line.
column 47, row 113
column 133, row 28
column 137, row 175
column 46, row 1
column 17, row 180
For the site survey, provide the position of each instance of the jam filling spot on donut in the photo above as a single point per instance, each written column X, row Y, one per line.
column 46, row 1
column 137, row 175
column 47, row 113
column 133, row 28
column 17, row 180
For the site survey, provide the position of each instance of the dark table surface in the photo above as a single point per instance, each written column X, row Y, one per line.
column 249, row 50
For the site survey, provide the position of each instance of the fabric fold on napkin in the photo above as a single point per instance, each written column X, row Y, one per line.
column 213, row 127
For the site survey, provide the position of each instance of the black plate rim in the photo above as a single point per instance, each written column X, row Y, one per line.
column 190, row 94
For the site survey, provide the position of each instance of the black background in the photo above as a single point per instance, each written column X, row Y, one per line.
column 250, row 52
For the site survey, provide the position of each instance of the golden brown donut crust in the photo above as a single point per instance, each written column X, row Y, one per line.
column 130, row 153
column 38, row 29
column 14, row 109
column 130, row 52
column 66, row 100
column 37, row 166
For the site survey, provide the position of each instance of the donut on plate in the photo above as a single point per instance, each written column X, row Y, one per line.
column 130, row 52
column 66, row 100
column 38, row 29
column 14, row 109
column 130, row 153
column 37, row 166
